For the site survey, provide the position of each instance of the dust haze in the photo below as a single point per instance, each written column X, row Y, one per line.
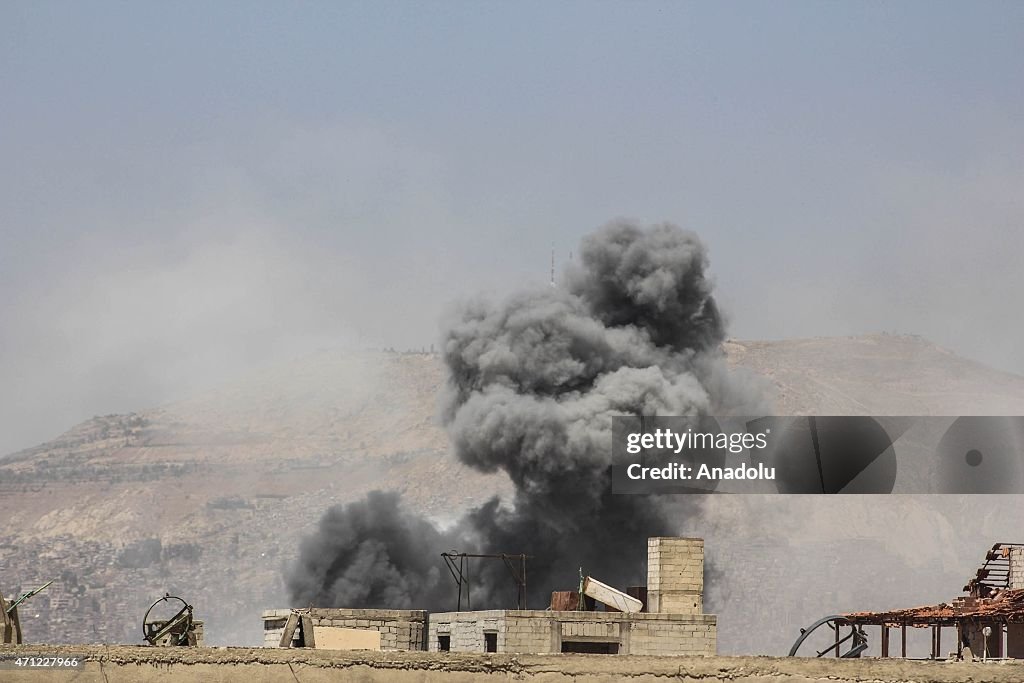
column 250, row 202
column 190, row 198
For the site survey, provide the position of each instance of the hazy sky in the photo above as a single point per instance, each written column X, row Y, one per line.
column 189, row 190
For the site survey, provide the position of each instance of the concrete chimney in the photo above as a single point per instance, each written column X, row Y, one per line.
column 675, row 575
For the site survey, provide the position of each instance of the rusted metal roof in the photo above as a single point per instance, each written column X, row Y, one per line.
column 1005, row 606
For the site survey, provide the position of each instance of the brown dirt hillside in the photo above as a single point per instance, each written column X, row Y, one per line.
column 209, row 497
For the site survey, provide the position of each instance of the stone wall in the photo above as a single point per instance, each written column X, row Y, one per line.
column 675, row 575
column 540, row 632
column 399, row 629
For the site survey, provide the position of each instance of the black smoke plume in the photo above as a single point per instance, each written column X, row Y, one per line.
column 371, row 553
column 532, row 386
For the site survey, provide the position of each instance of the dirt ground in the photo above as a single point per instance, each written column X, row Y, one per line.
column 117, row 664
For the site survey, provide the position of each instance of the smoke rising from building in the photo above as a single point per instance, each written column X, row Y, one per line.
column 370, row 553
column 533, row 383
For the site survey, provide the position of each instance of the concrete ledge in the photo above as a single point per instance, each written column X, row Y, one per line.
column 121, row 664
column 335, row 612
column 436, row 617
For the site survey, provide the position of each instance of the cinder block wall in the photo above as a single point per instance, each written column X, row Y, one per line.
column 399, row 629
column 528, row 632
column 675, row 575
column 1016, row 567
column 541, row 632
column 698, row 636
column 1015, row 632
column 466, row 630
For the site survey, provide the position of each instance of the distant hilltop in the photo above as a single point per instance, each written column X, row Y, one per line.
column 120, row 503
column 333, row 399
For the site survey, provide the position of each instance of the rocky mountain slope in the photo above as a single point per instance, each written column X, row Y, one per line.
column 208, row 498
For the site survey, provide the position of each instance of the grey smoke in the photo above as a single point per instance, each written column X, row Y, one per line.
column 533, row 383
column 370, row 554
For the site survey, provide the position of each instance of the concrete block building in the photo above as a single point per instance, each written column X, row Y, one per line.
column 354, row 629
column 673, row 623
column 545, row 631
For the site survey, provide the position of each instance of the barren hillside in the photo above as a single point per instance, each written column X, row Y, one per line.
column 209, row 497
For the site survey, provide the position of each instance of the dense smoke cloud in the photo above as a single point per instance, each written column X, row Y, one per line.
column 533, row 384
column 370, row 553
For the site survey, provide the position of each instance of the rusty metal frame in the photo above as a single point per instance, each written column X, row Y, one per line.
column 990, row 602
column 182, row 621
column 994, row 574
column 458, row 566
column 836, row 622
